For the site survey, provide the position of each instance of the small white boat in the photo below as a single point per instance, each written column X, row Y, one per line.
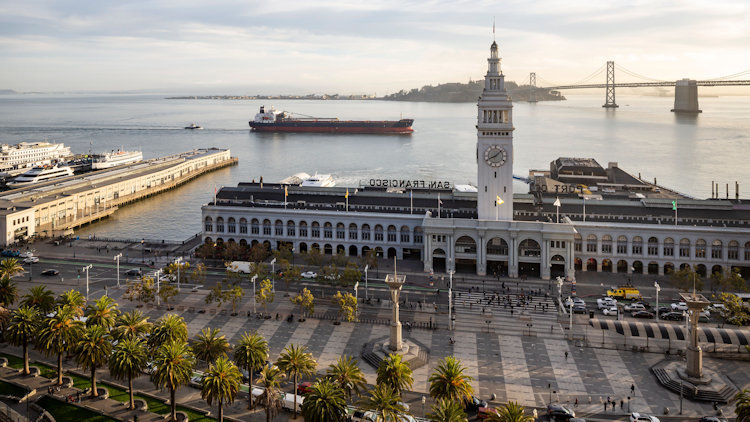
column 115, row 158
column 193, row 126
column 40, row 174
column 319, row 181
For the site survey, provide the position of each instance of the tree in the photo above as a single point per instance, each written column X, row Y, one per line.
column 325, row 402
column 340, row 259
column 395, row 373
column 166, row 292
column 265, row 295
column 291, row 274
column 296, row 361
column 173, row 368
column 174, row 269
column 258, row 253
column 449, row 381
column 73, row 299
column 730, row 280
column 103, row 312
column 314, row 257
column 41, row 298
column 447, row 411
column 142, row 290
column 345, row 372
column 736, row 312
column 127, row 361
column 369, row 258
column 92, row 351
column 217, row 294
column 58, row 334
column 351, row 274
column 235, row 296
column 306, row 302
column 10, row 267
column 742, row 406
column 22, row 330
column 330, row 273
column 168, row 328
column 210, row 345
column 683, row 279
column 386, row 403
column 221, row 383
column 198, row 274
column 270, row 379
column 8, row 291
column 510, row 412
column 251, row 352
column 131, row 325
column 347, row 305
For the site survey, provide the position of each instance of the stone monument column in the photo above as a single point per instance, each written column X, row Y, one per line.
column 395, row 283
column 694, row 353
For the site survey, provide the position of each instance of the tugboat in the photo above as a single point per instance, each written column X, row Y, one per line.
column 273, row 120
column 193, row 126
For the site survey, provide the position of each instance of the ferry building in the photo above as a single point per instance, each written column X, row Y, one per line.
column 486, row 230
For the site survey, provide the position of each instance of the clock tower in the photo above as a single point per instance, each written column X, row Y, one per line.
column 494, row 145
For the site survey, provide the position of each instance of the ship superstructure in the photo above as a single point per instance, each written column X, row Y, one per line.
column 30, row 154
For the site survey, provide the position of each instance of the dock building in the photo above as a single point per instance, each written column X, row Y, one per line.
column 491, row 230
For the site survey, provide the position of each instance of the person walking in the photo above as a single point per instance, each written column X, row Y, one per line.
column 622, row 403
column 576, row 403
column 566, row 355
column 632, row 389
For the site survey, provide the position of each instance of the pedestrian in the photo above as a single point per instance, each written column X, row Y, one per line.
column 632, row 389
column 622, row 403
column 605, row 405
column 576, row 403
column 566, row 355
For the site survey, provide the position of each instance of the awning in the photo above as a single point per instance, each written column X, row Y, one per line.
column 672, row 331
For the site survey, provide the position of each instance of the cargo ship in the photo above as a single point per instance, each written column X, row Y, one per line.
column 272, row 120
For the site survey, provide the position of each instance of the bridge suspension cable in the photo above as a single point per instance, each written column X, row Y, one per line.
column 637, row 75
column 733, row 76
column 580, row 82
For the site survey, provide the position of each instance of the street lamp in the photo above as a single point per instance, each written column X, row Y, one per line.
column 178, row 264
column 356, row 293
column 117, row 258
column 450, row 300
column 559, row 288
column 424, row 400
column 658, row 289
column 143, row 259
column 366, row 268
column 255, row 277
column 570, row 326
column 157, row 273
column 87, row 268
column 273, row 274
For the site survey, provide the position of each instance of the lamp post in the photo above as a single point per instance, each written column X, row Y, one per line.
column 143, row 259
column 87, row 268
column 424, row 400
column 273, row 274
column 366, row 268
column 450, row 300
column 255, row 277
column 178, row 264
column 157, row 275
column 559, row 288
column 117, row 258
column 658, row 289
column 628, row 404
column 356, row 292
column 570, row 325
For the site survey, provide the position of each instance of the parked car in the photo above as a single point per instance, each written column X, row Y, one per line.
column 612, row 310
column 711, row 419
column 673, row 316
column 474, row 404
column 30, row 260
column 579, row 309
column 26, row 254
column 560, row 412
column 50, row 272
column 606, row 302
column 664, row 309
column 133, row 272
column 304, row 388
column 10, row 253
column 309, row 274
column 575, row 301
column 485, row 412
column 640, row 417
column 633, row 307
column 196, row 381
column 642, row 314
column 679, row 306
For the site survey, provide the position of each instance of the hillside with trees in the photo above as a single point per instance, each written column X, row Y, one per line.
column 457, row 92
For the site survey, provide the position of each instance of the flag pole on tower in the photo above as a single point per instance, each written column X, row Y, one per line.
column 499, row 201
column 346, row 196
column 439, row 204
column 557, row 204
column 286, row 193
column 674, row 207
column 411, row 201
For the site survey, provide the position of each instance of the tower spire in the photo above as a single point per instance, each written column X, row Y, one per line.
column 493, row 29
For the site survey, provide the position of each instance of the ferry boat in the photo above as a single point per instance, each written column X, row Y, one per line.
column 40, row 174
column 319, row 181
column 272, row 120
column 30, row 154
column 115, row 158
column 193, row 126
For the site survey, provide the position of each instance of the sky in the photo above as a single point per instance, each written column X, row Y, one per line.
column 358, row 47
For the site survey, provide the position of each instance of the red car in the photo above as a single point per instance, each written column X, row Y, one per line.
column 304, row 388
column 485, row 412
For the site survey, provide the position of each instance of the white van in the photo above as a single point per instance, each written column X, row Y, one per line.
column 243, row 267
column 288, row 402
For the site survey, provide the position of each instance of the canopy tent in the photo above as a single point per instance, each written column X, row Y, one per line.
column 665, row 331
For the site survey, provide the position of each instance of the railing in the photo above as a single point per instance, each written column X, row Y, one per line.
column 11, row 414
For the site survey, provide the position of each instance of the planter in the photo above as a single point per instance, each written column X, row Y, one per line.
column 140, row 405
column 182, row 416
column 67, row 381
column 3, row 362
column 103, row 393
column 34, row 371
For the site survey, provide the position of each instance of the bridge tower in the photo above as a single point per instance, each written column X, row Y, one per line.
column 610, row 100
column 532, row 87
column 686, row 96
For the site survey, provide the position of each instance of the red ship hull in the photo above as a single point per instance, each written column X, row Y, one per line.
column 401, row 127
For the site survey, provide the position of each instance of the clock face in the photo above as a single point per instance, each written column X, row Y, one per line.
column 495, row 156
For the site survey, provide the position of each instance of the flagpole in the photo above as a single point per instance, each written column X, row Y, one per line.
column 584, row 208
column 411, row 202
column 439, row 202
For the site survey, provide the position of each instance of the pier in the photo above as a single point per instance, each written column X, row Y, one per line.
column 56, row 207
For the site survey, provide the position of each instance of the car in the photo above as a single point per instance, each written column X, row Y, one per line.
column 703, row 318
column 10, row 253
column 50, row 272
column 196, row 381
column 485, row 412
column 362, row 416
column 673, row 316
column 26, row 254
column 679, row 306
column 612, row 310
column 309, row 274
column 640, row 417
column 642, row 314
column 664, row 309
column 579, row 309
column 304, row 388
column 633, row 307
column 150, row 367
column 606, row 302
column 711, row 419
column 575, row 301
column 559, row 412
column 474, row 404
column 404, row 405
column 644, row 303
column 30, row 260
column 133, row 272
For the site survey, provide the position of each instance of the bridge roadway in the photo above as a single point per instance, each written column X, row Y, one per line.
column 648, row 84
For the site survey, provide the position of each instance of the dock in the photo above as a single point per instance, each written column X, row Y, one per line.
column 56, row 207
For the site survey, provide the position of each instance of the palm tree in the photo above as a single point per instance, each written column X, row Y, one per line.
column 131, row 325
column 22, row 330
column 251, row 352
column 209, row 345
column 325, row 402
column 168, row 328
column 386, row 403
column 128, row 360
column 74, row 299
column 8, row 291
column 742, row 407
column 40, row 297
column 173, row 368
column 510, row 412
column 449, row 381
column 296, row 361
column 395, row 373
column 346, row 374
column 10, row 267
column 270, row 378
column 58, row 334
column 221, row 383
column 103, row 312
column 447, row 411
column 93, row 350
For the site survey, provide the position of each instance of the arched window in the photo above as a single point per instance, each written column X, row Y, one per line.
column 653, row 246
column 529, row 247
column 591, row 243
column 267, row 227
column 700, row 248
column 578, row 244
column 378, row 233
column 340, row 231
column 231, row 225
column 209, row 224
column 747, row 251
column 315, row 230
column 255, row 226
column 303, row 229
column 685, row 248
column 328, row 230
column 391, row 233
column 606, row 244
column 733, row 250
column 219, row 225
column 497, row 246
column 405, row 234
column 465, row 244
column 243, row 226
column 365, row 232
column 291, row 228
column 418, row 235
column 622, row 245
column 668, row 248
column 716, row 246
column 279, row 228
column 637, row 245
column 353, row 231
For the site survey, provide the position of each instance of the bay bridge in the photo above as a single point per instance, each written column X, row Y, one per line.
column 685, row 94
